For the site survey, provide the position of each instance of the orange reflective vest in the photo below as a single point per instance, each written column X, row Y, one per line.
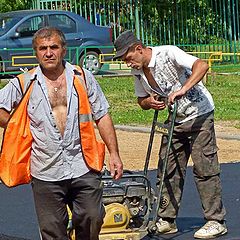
column 17, row 137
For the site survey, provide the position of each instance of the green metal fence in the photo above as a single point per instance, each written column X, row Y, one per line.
column 18, row 60
column 119, row 15
column 204, row 26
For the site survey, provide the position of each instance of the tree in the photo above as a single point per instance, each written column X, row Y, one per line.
column 11, row 5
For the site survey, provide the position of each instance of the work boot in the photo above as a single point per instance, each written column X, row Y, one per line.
column 166, row 227
column 210, row 230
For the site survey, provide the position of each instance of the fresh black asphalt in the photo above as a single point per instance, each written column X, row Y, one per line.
column 18, row 218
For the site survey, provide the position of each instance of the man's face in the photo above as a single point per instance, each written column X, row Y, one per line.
column 134, row 57
column 50, row 52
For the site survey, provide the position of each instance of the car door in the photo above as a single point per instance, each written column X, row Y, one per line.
column 19, row 44
column 68, row 26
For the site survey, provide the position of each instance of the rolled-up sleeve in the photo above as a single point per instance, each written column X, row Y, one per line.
column 97, row 99
column 10, row 95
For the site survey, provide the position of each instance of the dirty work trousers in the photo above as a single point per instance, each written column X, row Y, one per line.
column 83, row 194
column 195, row 138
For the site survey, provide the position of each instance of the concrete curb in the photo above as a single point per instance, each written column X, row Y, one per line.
column 148, row 130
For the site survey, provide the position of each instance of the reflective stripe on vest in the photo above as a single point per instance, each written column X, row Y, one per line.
column 93, row 150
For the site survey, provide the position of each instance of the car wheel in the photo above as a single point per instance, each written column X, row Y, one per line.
column 90, row 61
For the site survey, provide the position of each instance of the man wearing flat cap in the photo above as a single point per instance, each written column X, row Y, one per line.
column 170, row 74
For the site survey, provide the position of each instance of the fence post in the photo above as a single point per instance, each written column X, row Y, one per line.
column 137, row 20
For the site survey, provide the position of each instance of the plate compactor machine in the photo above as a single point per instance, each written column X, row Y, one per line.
column 131, row 204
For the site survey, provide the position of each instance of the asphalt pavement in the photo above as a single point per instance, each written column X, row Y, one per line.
column 18, row 218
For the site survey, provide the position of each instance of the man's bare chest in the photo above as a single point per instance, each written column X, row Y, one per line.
column 57, row 98
column 57, row 94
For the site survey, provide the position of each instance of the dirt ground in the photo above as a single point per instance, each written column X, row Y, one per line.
column 133, row 146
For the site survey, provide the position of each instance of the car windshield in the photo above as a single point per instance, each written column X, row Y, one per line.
column 7, row 22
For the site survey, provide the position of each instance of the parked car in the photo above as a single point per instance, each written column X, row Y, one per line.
column 85, row 41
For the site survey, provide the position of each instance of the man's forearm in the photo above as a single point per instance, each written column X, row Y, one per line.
column 107, row 132
column 144, row 102
column 199, row 69
column 4, row 117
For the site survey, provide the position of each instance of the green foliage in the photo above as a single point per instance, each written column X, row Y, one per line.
column 177, row 22
column 183, row 21
column 226, row 95
column 226, row 69
column 2, row 84
column 11, row 5
column 125, row 110
column 123, row 102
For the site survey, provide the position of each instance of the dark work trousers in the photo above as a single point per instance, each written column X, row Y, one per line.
column 195, row 138
column 83, row 194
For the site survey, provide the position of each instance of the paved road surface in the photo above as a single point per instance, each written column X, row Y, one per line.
column 18, row 219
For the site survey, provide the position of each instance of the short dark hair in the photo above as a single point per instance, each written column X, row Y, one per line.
column 46, row 32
